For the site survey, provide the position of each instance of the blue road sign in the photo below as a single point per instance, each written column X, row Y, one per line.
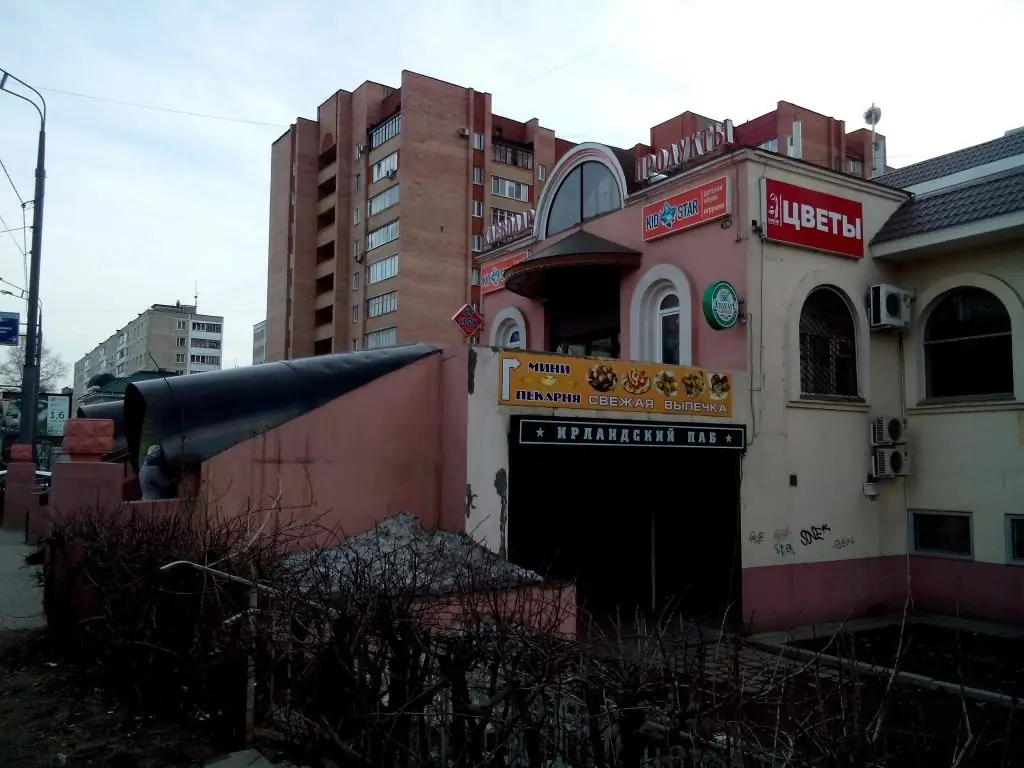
column 9, row 333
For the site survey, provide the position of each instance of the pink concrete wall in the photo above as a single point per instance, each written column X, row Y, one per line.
column 368, row 455
column 455, row 391
column 706, row 254
column 781, row 597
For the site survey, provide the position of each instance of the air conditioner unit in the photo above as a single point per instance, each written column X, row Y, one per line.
column 464, row 133
column 392, row 174
column 888, row 307
column 888, row 430
column 890, row 462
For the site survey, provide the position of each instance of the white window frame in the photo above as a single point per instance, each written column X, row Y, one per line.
column 182, row 326
column 478, row 243
column 659, row 327
column 355, row 216
column 385, row 234
column 386, row 131
column 389, row 335
column 384, row 166
column 478, row 209
column 645, row 314
column 511, row 189
column 382, row 201
column 383, row 304
column 912, row 533
column 478, row 175
column 382, row 270
column 355, row 313
column 478, row 141
column 542, row 172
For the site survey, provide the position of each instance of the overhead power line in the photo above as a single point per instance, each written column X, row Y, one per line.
column 13, row 185
column 167, row 110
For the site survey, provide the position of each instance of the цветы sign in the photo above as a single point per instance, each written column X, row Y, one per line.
column 799, row 216
column 492, row 274
column 698, row 205
column 559, row 381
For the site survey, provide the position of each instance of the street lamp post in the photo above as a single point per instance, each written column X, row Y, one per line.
column 30, row 376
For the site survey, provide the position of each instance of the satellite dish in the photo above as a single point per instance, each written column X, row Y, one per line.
column 873, row 115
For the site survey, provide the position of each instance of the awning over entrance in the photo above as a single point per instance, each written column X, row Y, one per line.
column 546, row 272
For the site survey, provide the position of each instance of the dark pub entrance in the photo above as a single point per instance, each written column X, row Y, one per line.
column 642, row 515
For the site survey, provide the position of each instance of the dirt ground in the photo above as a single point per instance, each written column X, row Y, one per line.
column 50, row 715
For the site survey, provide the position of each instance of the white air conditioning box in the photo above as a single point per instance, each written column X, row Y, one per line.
column 889, row 307
column 888, row 430
column 464, row 133
column 890, row 462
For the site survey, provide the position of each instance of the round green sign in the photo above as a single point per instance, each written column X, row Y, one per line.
column 721, row 305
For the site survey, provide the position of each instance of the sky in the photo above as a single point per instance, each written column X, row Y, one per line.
column 149, row 204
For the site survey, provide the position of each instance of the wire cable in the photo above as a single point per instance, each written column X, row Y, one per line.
column 13, row 238
column 13, row 186
column 167, row 110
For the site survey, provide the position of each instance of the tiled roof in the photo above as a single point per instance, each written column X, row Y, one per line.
column 954, row 162
column 963, row 204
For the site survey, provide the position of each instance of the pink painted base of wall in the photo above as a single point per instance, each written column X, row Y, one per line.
column 786, row 596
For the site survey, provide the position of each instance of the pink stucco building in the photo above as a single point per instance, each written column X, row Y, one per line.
column 715, row 376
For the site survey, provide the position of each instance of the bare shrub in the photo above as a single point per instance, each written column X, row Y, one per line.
column 416, row 648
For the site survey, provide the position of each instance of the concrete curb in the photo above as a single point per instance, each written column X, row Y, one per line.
column 910, row 678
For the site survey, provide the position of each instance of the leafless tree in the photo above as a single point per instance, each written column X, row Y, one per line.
column 52, row 368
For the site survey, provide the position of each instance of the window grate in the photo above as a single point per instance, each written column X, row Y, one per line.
column 828, row 346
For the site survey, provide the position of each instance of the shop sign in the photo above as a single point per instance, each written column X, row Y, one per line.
column 511, row 228
column 803, row 217
column 492, row 274
column 646, row 434
column 557, row 381
column 697, row 205
column 721, row 305
column 469, row 321
column 10, row 322
column 681, row 152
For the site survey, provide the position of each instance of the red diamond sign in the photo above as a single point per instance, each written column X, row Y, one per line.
column 469, row 320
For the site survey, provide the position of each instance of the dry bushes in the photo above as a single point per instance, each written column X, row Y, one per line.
column 405, row 647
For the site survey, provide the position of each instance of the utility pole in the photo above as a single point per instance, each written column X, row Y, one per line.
column 30, row 377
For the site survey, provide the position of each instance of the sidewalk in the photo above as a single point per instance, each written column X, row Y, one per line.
column 21, row 600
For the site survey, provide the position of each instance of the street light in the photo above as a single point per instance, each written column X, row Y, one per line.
column 30, row 376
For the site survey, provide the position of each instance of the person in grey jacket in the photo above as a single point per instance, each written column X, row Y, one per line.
column 153, row 478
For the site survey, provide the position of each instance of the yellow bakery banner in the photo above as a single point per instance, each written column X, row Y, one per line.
column 557, row 381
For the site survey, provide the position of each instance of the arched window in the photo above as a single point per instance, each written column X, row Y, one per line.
column 589, row 190
column 968, row 346
column 512, row 336
column 828, row 345
column 509, row 330
column 668, row 329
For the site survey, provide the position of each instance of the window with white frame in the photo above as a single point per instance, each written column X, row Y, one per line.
column 478, row 175
column 205, row 359
column 542, row 172
column 516, row 190
column 500, row 215
column 509, row 335
column 355, row 281
column 942, row 533
column 181, row 341
column 386, row 131
column 667, row 330
column 355, row 216
column 478, row 208
column 207, row 327
column 179, row 358
column 968, row 331
column 382, row 201
column 382, row 270
column 355, row 313
column 181, row 326
column 478, row 243
column 828, row 345
column 772, row 145
column 384, row 166
column 1015, row 538
column 587, row 191
column 385, row 337
column 384, row 304
column 382, row 235
column 478, row 141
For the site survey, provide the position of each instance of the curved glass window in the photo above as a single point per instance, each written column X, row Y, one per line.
column 968, row 346
column 589, row 190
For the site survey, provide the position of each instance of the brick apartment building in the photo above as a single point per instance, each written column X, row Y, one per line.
column 380, row 208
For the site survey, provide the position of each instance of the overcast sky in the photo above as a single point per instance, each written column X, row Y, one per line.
column 142, row 205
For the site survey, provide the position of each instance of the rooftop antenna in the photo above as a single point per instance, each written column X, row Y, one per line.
column 195, row 295
column 872, row 116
